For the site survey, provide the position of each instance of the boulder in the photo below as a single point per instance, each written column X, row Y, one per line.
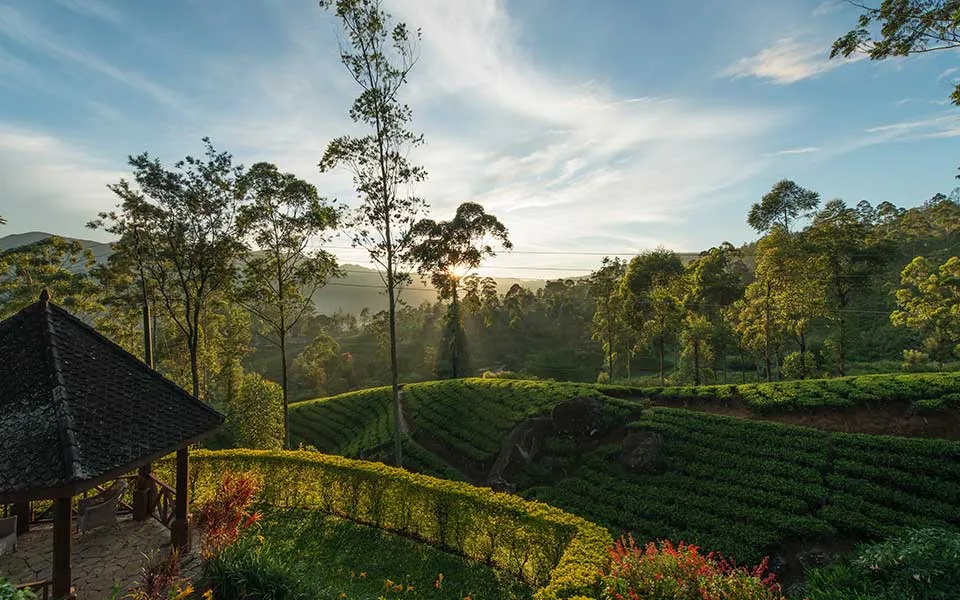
column 642, row 451
column 580, row 417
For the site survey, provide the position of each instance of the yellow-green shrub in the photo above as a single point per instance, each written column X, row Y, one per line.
column 560, row 553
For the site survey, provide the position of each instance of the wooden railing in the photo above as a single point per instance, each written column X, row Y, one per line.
column 43, row 588
column 164, row 503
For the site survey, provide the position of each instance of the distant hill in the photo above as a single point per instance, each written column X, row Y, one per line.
column 101, row 251
column 363, row 288
column 360, row 288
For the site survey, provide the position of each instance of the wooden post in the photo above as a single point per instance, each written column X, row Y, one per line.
column 143, row 494
column 180, row 530
column 62, row 537
column 24, row 516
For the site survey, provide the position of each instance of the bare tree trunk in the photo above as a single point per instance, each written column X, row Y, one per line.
column 394, row 363
column 286, row 402
column 660, row 352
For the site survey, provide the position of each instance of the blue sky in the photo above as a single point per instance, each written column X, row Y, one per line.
column 604, row 126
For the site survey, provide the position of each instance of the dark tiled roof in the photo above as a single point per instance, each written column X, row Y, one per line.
column 75, row 406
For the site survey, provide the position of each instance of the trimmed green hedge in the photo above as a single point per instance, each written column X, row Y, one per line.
column 560, row 553
column 923, row 391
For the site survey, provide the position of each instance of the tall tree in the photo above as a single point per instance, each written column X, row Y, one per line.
column 379, row 57
column 782, row 205
column 696, row 334
column 929, row 301
column 662, row 317
column 607, row 326
column 905, row 27
column 839, row 236
column 644, row 311
column 184, row 219
column 282, row 271
column 449, row 250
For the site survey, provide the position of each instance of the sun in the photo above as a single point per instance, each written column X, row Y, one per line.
column 458, row 271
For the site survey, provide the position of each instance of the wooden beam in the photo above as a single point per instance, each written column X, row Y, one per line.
column 180, row 534
column 143, row 493
column 62, row 537
column 24, row 516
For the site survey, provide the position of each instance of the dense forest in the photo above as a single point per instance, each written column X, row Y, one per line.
column 826, row 290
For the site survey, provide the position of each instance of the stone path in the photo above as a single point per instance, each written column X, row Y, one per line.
column 102, row 559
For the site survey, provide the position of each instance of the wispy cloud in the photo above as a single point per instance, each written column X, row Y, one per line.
column 947, row 73
column 940, row 126
column 827, row 7
column 786, row 61
column 46, row 175
column 19, row 28
column 790, row 151
column 555, row 157
column 94, row 8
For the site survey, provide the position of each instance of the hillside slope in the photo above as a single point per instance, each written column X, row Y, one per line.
column 742, row 486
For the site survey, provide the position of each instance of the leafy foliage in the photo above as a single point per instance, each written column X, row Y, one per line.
column 929, row 301
column 906, row 27
column 223, row 517
column 280, row 279
column 919, row 564
column 54, row 264
column 255, row 415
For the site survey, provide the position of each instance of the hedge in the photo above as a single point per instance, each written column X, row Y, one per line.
column 924, row 392
column 558, row 552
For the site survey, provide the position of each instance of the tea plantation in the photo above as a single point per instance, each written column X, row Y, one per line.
column 747, row 488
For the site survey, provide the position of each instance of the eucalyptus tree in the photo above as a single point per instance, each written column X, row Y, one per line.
column 608, row 325
column 449, row 250
column 183, row 220
column 283, row 268
column 379, row 56
column 782, row 205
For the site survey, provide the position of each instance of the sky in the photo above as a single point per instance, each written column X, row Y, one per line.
column 588, row 128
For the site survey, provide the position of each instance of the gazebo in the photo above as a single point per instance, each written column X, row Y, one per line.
column 77, row 411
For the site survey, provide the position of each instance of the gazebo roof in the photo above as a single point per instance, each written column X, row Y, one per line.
column 76, row 409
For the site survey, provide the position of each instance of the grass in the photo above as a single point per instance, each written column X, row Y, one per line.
column 324, row 557
column 747, row 488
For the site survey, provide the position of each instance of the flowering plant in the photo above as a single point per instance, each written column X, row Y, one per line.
column 665, row 571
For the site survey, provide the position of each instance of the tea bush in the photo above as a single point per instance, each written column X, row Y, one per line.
column 745, row 487
column 920, row 564
column 923, row 391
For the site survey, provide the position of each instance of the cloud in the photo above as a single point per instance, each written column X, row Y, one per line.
column 786, row 61
column 947, row 73
column 94, row 8
column 790, row 151
column 940, row 126
column 44, row 176
column 23, row 30
column 552, row 155
column 827, row 7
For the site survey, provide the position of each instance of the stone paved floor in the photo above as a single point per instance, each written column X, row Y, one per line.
column 102, row 558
